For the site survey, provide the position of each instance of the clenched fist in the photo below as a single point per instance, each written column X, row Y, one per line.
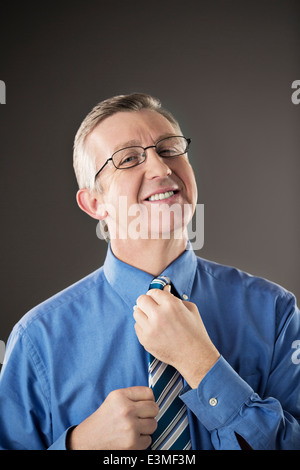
column 124, row 421
column 172, row 330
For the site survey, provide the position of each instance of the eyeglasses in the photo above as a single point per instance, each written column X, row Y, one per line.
column 129, row 157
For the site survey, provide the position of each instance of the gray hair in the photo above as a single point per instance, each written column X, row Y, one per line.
column 84, row 163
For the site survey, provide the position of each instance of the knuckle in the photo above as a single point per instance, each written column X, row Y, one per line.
column 129, row 429
column 140, row 299
column 131, row 436
column 115, row 395
column 147, row 440
column 126, row 410
column 154, row 426
column 156, row 408
column 150, row 394
column 151, row 425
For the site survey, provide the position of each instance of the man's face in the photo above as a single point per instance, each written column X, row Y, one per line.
column 172, row 178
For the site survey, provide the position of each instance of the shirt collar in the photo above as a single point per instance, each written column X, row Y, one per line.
column 130, row 282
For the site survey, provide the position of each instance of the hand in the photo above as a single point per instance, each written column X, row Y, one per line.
column 172, row 330
column 124, row 421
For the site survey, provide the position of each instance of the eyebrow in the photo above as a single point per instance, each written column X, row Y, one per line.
column 129, row 143
column 137, row 143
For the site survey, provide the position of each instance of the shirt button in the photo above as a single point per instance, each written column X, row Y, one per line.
column 185, row 297
column 213, row 402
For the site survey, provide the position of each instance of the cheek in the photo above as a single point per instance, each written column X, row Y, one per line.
column 121, row 187
column 188, row 178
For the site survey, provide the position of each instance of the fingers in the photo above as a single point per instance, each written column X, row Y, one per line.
column 138, row 393
column 144, row 442
column 147, row 426
column 154, row 297
column 145, row 305
column 141, row 320
column 124, row 421
column 143, row 414
column 147, row 302
column 160, row 295
column 144, row 401
column 147, row 409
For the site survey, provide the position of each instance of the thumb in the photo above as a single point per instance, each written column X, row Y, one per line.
column 167, row 288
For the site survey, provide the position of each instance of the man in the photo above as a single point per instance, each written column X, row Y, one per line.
column 76, row 372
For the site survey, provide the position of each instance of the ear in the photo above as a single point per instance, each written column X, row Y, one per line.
column 91, row 203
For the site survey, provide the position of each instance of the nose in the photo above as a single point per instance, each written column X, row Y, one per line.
column 156, row 166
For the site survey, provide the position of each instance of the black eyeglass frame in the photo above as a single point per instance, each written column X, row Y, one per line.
column 188, row 141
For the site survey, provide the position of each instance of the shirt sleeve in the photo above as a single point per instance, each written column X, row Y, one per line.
column 25, row 417
column 61, row 442
column 226, row 405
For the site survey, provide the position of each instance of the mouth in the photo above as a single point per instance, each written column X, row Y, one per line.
column 160, row 196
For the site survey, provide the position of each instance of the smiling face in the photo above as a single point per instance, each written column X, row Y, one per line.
column 154, row 187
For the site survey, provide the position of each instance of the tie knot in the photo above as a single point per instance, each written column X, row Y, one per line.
column 159, row 282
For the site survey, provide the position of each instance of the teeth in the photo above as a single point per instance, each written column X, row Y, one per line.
column 160, row 196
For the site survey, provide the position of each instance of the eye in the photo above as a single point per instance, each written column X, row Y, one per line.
column 167, row 152
column 128, row 157
column 126, row 160
column 171, row 146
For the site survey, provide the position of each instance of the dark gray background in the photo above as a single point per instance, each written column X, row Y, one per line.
column 224, row 68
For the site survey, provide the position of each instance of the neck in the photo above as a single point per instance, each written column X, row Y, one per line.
column 151, row 256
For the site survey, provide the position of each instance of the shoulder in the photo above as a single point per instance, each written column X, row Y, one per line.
column 242, row 283
column 54, row 327
column 259, row 297
column 235, row 276
column 66, row 302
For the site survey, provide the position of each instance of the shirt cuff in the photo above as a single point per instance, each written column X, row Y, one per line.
column 61, row 442
column 219, row 396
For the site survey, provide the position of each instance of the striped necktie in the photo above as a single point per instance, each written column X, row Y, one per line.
column 172, row 431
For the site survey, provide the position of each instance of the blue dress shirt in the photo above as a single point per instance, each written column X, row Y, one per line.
column 66, row 355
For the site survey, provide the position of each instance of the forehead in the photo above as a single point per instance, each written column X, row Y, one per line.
column 142, row 127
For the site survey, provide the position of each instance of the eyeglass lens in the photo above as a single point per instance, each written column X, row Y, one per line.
column 167, row 148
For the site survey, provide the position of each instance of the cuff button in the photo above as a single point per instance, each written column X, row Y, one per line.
column 213, row 401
